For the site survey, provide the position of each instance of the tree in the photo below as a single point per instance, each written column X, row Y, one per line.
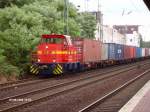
column 141, row 40
column 22, row 22
column 21, row 27
column 6, row 68
column 19, row 3
column 143, row 43
column 87, row 24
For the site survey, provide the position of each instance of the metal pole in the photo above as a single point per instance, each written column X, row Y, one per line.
column 66, row 17
column 99, row 14
column 100, row 21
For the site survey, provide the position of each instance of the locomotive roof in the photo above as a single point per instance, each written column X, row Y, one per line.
column 53, row 36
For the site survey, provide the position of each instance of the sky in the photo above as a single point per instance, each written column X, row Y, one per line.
column 120, row 12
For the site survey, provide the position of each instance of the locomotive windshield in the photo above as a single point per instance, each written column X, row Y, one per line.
column 52, row 40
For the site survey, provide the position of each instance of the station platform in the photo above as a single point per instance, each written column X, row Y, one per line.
column 140, row 102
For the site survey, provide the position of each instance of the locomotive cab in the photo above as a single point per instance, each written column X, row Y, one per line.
column 55, row 49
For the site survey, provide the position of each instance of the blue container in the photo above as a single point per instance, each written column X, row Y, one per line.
column 138, row 52
column 111, row 51
column 119, row 54
column 115, row 51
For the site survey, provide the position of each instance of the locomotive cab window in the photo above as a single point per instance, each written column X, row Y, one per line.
column 52, row 40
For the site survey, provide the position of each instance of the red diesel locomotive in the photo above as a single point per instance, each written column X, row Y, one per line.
column 54, row 55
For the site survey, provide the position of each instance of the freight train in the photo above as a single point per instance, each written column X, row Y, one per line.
column 58, row 54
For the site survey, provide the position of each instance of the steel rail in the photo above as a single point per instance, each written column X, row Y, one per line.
column 102, row 99
column 44, row 80
column 57, row 93
column 69, row 82
column 25, row 82
column 17, row 84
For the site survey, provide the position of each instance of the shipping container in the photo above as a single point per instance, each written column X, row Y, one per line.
column 115, row 51
column 134, row 49
column 143, row 52
column 132, row 52
column 88, row 50
column 104, row 54
column 127, row 52
column 119, row 52
column 138, row 52
column 146, row 51
column 111, row 51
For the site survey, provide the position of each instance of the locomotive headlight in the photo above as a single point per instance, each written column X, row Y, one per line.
column 39, row 60
column 54, row 60
column 46, row 47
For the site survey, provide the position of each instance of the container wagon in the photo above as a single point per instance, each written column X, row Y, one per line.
column 89, row 52
column 138, row 53
column 146, row 52
column 115, row 53
column 127, row 53
column 111, row 51
column 104, row 52
column 143, row 52
column 132, row 52
column 119, row 55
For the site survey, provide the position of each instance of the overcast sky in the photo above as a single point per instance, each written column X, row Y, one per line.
column 113, row 12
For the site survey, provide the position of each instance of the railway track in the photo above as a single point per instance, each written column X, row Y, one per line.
column 29, row 81
column 52, row 91
column 46, row 82
column 30, row 86
column 113, row 101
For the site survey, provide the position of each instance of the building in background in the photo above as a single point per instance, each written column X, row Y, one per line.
column 126, row 29
column 131, row 33
column 133, row 39
column 120, row 34
column 111, row 35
